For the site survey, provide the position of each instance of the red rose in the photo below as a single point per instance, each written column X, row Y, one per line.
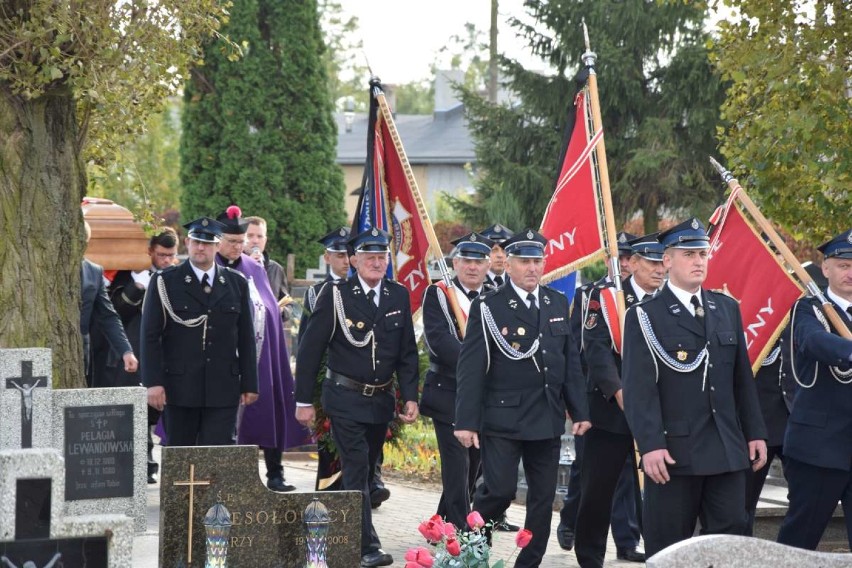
column 432, row 530
column 453, row 547
column 449, row 530
column 474, row 520
column 523, row 538
column 417, row 557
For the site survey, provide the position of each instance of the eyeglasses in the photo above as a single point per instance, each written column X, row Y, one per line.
column 233, row 243
column 165, row 254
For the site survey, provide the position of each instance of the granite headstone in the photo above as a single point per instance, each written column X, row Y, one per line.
column 202, row 484
column 35, row 531
column 26, row 417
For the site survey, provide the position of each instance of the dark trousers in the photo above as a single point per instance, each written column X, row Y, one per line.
column 500, row 458
column 671, row 510
column 624, row 521
column 153, row 418
column 457, row 464
column 359, row 445
column 200, row 426
column 755, row 480
column 274, row 467
column 604, row 464
column 813, row 493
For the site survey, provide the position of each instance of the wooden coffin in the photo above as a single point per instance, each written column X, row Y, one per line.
column 118, row 242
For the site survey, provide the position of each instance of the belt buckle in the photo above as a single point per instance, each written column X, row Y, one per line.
column 368, row 390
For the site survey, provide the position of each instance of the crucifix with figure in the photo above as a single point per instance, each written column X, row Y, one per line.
column 26, row 384
column 191, row 483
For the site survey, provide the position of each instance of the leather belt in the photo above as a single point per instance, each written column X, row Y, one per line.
column 364, row 388
column 442, row 369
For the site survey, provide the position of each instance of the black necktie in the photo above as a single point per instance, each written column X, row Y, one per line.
column 699, row 310
column 205, row 283
column 849, row 311
column 371, row 295
column 533, row 305
column 498, row 280
column 472, row 294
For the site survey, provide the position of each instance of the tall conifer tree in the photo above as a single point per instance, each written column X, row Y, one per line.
column 259, row 131
column 659, row 102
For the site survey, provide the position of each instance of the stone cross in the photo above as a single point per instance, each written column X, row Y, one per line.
column 26, row 383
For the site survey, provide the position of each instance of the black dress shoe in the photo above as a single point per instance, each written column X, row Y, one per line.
column 377, row 558
column 377, row 497
column 152, row 478
column 630, row 554
column 565, row 536
column 279, row 485
column 503, row 525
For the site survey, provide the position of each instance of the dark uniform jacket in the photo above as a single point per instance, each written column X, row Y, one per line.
column 704, row 423
column 127, row 299
column 441, row 335
column 604, row 364
column 819, row 431
column 515, row 398
column 395, row 351
column 96, row 308
column 198, row 368
column 776, row 388
column 310, row 301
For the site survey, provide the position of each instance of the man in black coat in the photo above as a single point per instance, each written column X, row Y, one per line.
column 609, row 444
column 443, row 334
column 690, row 399
column 364, row 323
column 513, row 389
column 497, row 234
column 127, row 292
column 199, row 359
column 818, row 441
column 336, row 257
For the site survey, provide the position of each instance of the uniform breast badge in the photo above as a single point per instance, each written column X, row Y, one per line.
column 360, row 325
column 681, row 355
column 516, row 345
column 522, row 331
column 699, row 311
column 504, row 331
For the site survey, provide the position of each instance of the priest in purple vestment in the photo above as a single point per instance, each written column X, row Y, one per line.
column 269, row 422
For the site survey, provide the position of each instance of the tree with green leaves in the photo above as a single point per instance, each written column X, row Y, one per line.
column 788, row 111
column 259, row 132
column 77, row 80
column 658, row 95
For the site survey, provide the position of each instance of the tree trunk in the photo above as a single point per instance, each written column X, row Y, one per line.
column 651, row 216
column 42, row 180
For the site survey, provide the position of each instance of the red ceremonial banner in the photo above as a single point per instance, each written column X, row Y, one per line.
column 571, row 222
column 410, row 243
column 743, row 266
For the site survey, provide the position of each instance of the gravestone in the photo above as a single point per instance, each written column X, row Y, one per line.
column 266, row 528
column 100, row 432
column 25, row 387
column 742, row 552
column 35, row 530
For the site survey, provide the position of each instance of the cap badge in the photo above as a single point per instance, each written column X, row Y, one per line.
column 498, row 229
column 342, row 232
column 374, row 232
column 695, row 224
column 473, row 238
column 622, row 238
column 849, row 238
column 529, row 234
column 204, row 222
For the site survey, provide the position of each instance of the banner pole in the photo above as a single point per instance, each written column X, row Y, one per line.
column 789, row 257
column 589, row 58
column 434, row 245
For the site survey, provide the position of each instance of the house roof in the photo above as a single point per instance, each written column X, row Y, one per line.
column 438, row 138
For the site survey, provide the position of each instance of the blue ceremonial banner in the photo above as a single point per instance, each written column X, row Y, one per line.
column 567, row 285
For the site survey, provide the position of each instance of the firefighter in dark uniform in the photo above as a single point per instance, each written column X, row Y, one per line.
column 497, row 234
column 690, row 399
column 199, row 359
column 818, row 442
column 624, row 518
column 365, row 324
column 336, row 257
column 513, row 389
column 442, row 332
column 776, row 388
column 609, row 444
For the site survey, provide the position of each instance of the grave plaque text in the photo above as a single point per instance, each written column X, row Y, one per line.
column 99, row 452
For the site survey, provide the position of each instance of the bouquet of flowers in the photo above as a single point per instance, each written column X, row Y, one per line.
column 452, row 548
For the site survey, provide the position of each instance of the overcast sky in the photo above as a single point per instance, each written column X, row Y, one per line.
column 402, row 37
